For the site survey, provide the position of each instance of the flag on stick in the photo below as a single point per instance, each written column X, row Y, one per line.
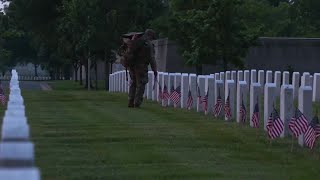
column 275, row 125
column 227, row 108
column 205, row 102
column 218, row 106
column 190, row 99
column 312, row 133
column 243, row 111
column 298, row 124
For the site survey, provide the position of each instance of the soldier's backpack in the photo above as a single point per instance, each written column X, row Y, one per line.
column 136, row 51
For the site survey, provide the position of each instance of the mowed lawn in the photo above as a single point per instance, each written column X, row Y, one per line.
column 93, row 135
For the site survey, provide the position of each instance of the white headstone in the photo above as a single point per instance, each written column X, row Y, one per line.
column 261, row 79
column 242, row 95
column 228, row 75
column 311, row 81
column 15, row 131
column 154, row 93
column 269, row 101
column 305, row 79
column 219, row 91
column 230, row 91
column 222, row 76
column 234, row 76
column 24, row 173
column 165, row 84
column 170, row 85
column 16, row 154
column 209, row 87
column 305, row 106
column 286, row 107
column 160, row 82
column 201, row 85
column 253, row 76
column 177, row 83
column 295, row 83
column 184, row 89
column 240, row 76
column 277, row 80
column 316, row 88
column 150, row 84
column 286, row 78
column 122, row 77
column 217, row 76
column 193, row 88
column 247, row 76
column 255, row 97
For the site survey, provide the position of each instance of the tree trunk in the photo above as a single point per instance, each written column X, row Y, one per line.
column 81, row 79
column 75, row 71
column 107, row 75
column 199, row 69
column 35, row 70
column 96, row 71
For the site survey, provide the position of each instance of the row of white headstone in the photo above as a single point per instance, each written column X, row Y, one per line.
column 16, row 149
column 240, row 85
column 27, row 78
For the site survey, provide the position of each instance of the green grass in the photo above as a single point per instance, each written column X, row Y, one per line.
column 93, row 135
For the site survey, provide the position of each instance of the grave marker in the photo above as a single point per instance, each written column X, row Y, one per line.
column 295, row 83
column 177, row 83
column 219, row 91
column 305, row 106
column 286, row 107
column 242, row 95
column 255, row 97
column 269, row 101
column 201, row 85
column 316, row 88
column 184, row 89
column 193, row 88
column 209, row 86
column 277, row 80
column 230, row 92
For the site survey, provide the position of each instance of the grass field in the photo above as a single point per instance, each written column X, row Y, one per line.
column 93, row 135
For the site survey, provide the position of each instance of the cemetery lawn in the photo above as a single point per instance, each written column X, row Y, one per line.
column 93, row 135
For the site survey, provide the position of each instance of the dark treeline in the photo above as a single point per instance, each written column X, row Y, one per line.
column 64, row 34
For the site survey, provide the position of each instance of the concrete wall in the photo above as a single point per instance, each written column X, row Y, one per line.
column 302, row 54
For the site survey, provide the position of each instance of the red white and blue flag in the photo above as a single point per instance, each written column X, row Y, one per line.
column 298, row 124
column 189, row 100
column 205, row 102
column 175, row 95
column 275, row 125
column 256, row 116
column 227, row 108
column 218, row 106
column 312, row 133
column 243, row 112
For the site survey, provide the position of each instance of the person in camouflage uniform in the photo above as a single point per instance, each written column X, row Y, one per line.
column 139, row 71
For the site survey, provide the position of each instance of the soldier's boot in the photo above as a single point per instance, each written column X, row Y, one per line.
column 131, row 103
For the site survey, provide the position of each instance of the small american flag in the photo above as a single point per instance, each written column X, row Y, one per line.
column 243, row 112
column 275, row 125
column 205, row 102
column 218, row 106
column 160, row 92
column 175, row 95
column 256, row 116
column 227, row 109
column 165, row 93
column 3, row 97
column 190, row 100
column 298, row 124
column 313, row 132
